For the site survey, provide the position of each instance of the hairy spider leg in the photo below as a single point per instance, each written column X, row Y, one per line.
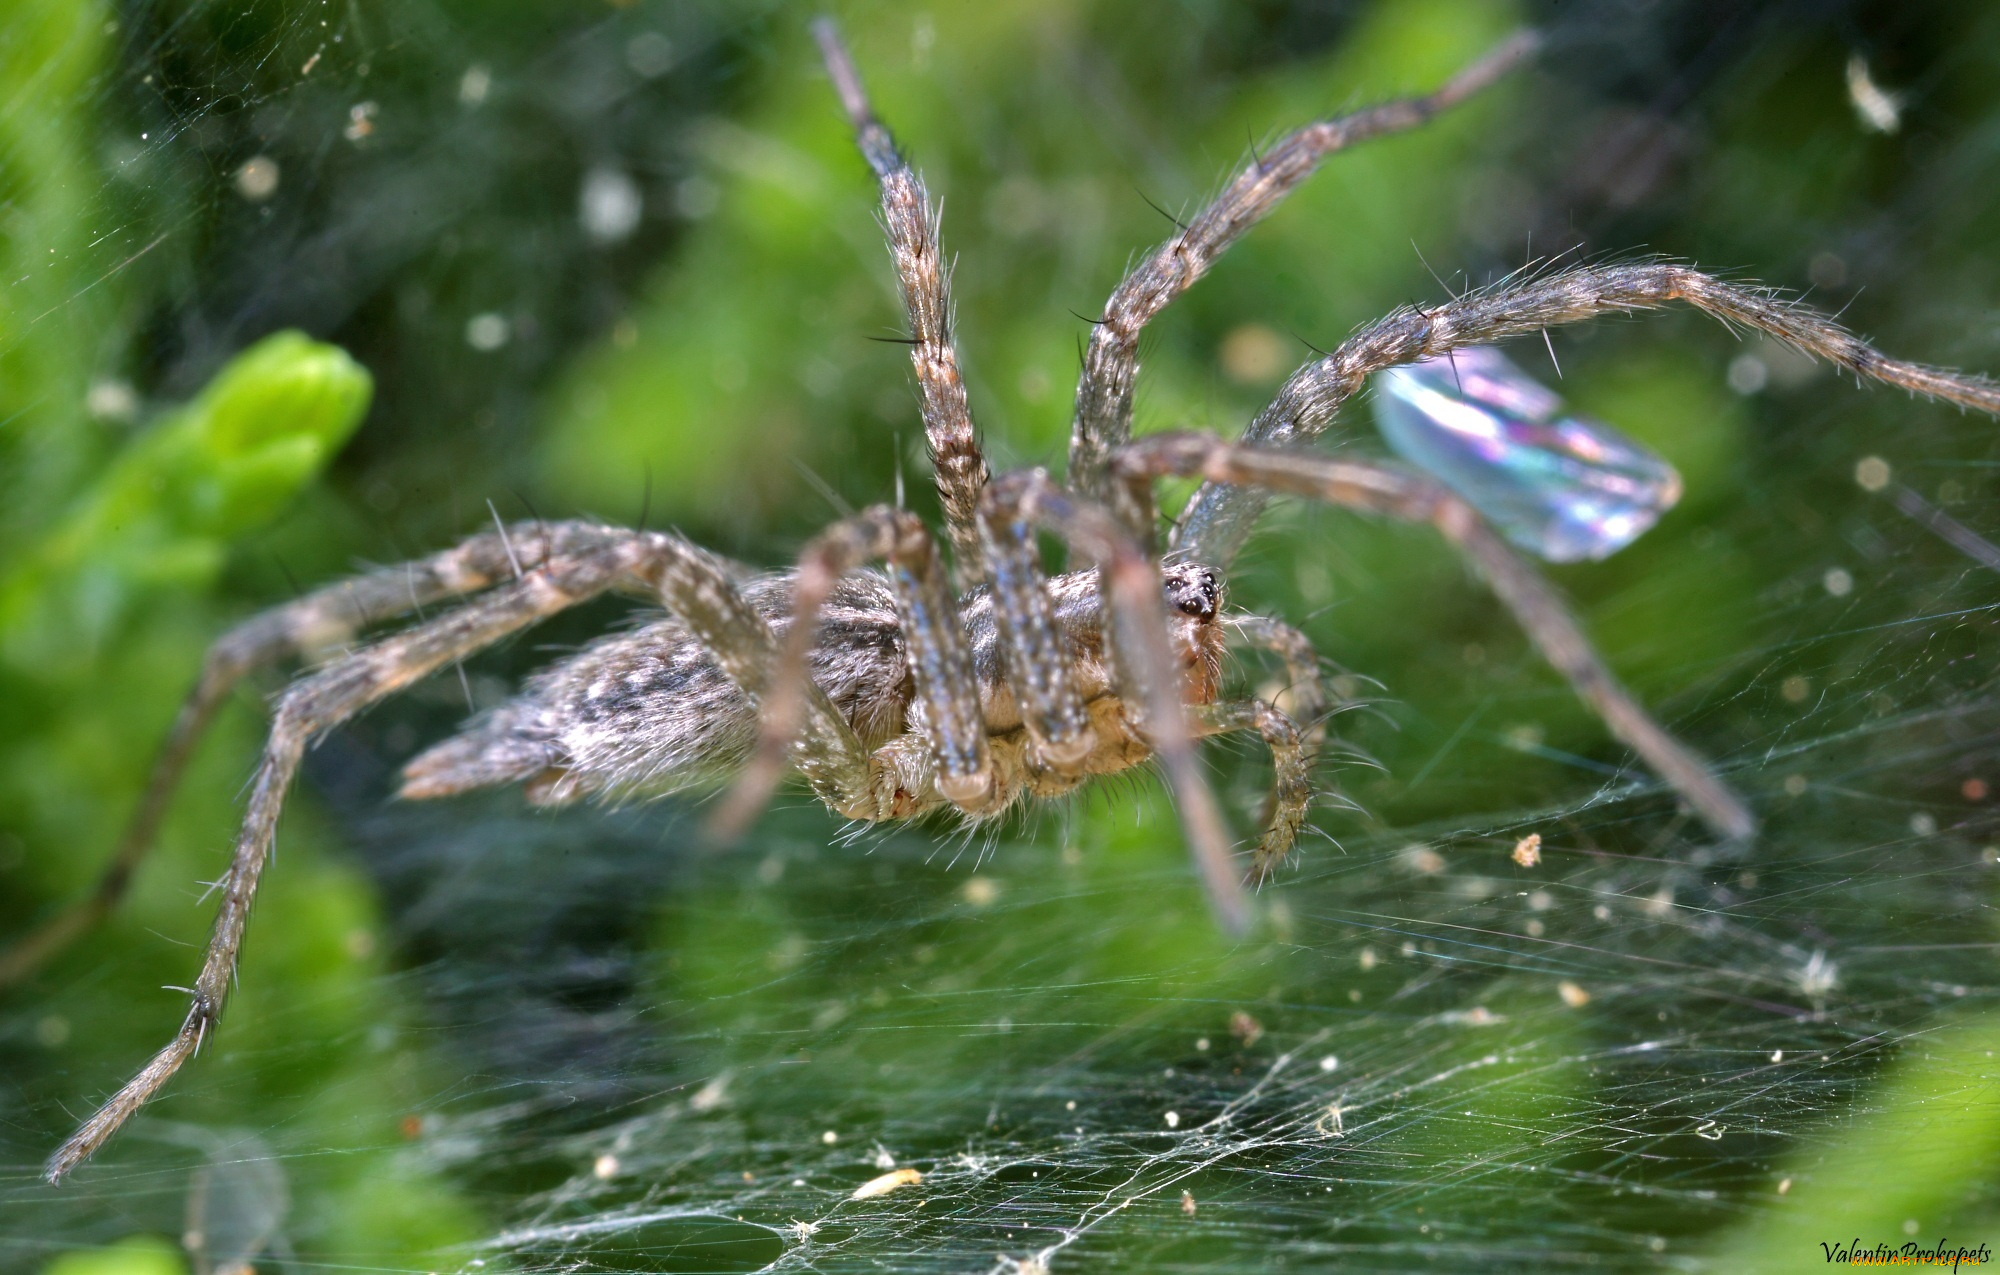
column 1143, row 663
column 694, row 585
column 1219, row 517
column 1536, row 605
column 1291, row 786
column 940, row 664
column 1034, row 653
column 323, row 620
column 1103, row 417
column 1295, row 650
column 1293, row 738
column 912, row 226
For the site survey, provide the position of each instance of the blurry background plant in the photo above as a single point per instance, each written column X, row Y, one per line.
column 622, row 261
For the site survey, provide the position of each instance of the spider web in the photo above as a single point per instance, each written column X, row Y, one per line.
column 618, row 263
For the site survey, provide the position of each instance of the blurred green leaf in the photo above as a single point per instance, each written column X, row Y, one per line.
column 139, row 1255
column 1915, row 1163
column 163, row 513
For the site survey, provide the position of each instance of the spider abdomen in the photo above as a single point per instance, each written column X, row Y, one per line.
column 649, row 712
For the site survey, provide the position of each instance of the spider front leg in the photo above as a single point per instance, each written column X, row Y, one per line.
column 695, row 586
column 1534, row 602
column 912, row 226
column 323, row 620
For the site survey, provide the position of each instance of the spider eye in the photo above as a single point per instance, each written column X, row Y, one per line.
column 1563, row 487
column 1195, row 591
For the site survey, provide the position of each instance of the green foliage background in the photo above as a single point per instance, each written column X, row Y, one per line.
column 448, row 1016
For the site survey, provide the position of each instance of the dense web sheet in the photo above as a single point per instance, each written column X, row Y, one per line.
column 1508, row 1009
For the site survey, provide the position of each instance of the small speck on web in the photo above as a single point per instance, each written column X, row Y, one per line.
column 1528, row 850
column 886, row 1183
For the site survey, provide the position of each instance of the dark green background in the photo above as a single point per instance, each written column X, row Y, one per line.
column 451, row 1016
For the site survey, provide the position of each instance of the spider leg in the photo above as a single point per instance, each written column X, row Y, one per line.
column 1219, row 517
column 1308, row 689
column 912, row 226
column 1103, row 417
column 1135, row 623
column 1536, row 605
column 307, row 708
column 319, row 621
column 1291, row 789
column 1033, row 650
column 693, row 584
column 939, row 658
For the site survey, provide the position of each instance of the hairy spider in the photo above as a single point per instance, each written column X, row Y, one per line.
column 899, row 692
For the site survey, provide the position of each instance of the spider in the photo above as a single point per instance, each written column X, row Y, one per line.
column 895, row 693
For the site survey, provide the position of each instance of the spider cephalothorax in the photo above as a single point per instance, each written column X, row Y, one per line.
column 905, row 691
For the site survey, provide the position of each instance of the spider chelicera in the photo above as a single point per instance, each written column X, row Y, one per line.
column 895, row 693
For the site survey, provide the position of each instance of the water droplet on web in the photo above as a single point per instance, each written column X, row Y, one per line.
column 257, row 178
column 111, row 399
column 649, row 54
column 1253, row 354
column 1747, row 374
column 487, row 332
column 609, row 204
column 474, row 85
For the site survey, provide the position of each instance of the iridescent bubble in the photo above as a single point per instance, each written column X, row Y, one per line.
column 1565, row 488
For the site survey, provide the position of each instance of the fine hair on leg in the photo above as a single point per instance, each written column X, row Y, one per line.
column 694, row 585
column 1103, row 416
column 1034, row 650
column 912, row 226
column 324, row 620
column 1219, row 517
column 1535, row 604
column 1291, row 764
column 1295, row 650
